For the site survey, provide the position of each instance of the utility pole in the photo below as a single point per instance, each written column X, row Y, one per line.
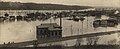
column 87, row 24
column 50, row 20
column 78, row 31
column 71, row 31
column 35, row 44
column 0, row 31
column 82, row 27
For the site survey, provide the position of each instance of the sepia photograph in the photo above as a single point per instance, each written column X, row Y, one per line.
column 59, row 24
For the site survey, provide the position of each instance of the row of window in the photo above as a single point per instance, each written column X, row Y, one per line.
column 51, row 34
column 55, row 33
column 43, row 32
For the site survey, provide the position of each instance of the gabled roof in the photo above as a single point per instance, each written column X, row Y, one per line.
column 48, row 25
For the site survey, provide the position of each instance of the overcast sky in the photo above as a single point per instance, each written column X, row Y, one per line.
column 112, row 3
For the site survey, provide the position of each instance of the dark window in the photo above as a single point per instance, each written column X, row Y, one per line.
column 52, row 34
column 59, row 33
column 41, row 31
column 56, row 33
column 40, row 36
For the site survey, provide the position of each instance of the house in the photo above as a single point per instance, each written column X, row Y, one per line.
column 48, row 30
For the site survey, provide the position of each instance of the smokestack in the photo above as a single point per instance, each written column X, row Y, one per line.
column 61, row 21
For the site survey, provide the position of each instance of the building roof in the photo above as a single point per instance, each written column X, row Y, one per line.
column 48, row 25
column 53, row 29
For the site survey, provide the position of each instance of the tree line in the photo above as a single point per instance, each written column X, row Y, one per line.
column 35, row 6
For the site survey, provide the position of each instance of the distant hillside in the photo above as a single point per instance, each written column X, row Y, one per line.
column 34, row 6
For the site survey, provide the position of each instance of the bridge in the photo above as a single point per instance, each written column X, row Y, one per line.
column 42, row 41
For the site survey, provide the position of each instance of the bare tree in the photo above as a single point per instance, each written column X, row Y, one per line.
column 79, row 41
column 89, row 41
column 112, row 42
column 96, row 40
column 92, row 40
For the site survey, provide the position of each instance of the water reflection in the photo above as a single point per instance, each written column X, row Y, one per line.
column 19, row 30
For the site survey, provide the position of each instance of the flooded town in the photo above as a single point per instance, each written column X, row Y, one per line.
column 58, row 28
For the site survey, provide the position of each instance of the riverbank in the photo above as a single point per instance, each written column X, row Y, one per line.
column 71, row 47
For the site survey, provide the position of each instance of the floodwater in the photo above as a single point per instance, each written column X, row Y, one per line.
column 20, row 31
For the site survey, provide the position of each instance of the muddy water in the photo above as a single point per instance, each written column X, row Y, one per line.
column 20, row 31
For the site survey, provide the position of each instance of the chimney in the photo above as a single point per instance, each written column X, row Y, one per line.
column 61, row 22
